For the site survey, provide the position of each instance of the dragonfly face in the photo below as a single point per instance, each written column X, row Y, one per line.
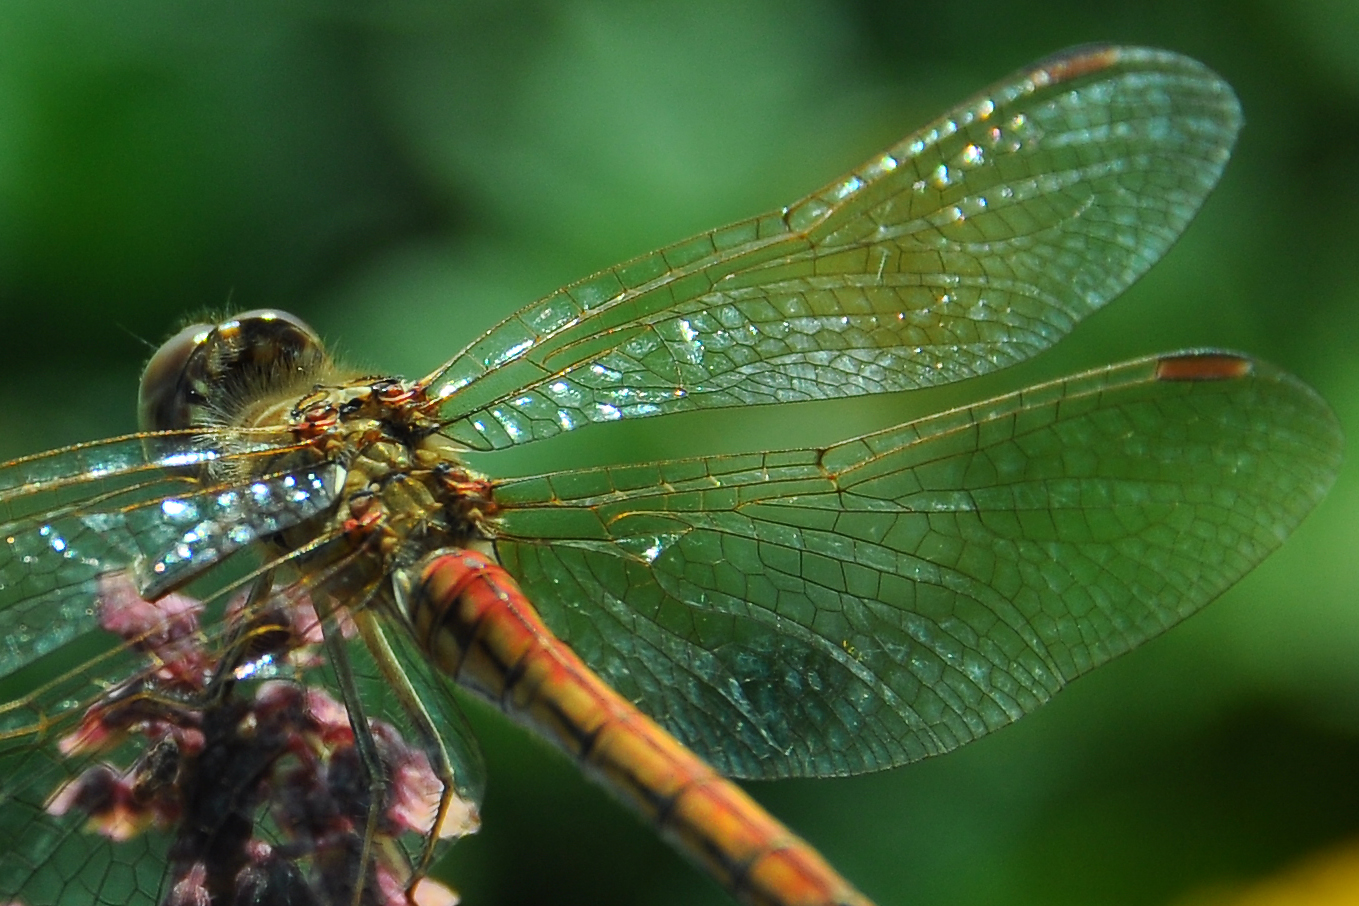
column 209, row 375
column 268, row 591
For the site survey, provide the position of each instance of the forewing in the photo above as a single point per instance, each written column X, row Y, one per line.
column 970, row 245
column 69, row 516
column 129, row 509
column 820, row 612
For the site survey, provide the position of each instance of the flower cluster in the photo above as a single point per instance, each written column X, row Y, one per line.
column 256, row 774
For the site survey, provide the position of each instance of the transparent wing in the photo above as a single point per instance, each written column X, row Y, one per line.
column 71, row 515
column 830, row 611
column 972, row 244
column 68, row 518
column 88, row 532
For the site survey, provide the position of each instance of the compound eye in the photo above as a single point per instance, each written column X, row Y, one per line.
column 205, row 373
column 163, row 396
column 267, row 337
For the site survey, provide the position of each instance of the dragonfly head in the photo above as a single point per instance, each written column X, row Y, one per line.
column 206, row 373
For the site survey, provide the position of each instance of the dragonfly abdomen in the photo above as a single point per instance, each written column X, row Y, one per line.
column 474, row 621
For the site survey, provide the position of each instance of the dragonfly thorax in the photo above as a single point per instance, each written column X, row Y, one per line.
column 406, row 492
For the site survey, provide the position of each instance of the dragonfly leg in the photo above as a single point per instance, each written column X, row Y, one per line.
column 370, row 629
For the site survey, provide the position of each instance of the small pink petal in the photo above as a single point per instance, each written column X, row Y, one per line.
column 150, row 624
column 429, row 892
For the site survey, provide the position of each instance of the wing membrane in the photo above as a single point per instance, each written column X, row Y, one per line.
column 818, row 612
column 972, row 244
column 71, row 522
column 69, row 516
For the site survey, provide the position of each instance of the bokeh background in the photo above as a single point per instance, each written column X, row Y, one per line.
column 403, row 175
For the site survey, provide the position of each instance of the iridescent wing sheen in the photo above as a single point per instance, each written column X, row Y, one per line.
column 132, row 507
column 970, row 245
column 830, row 611
column 71, row 515
column 68, row 517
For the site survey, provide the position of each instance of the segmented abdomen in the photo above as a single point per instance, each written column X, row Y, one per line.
column 473, row 620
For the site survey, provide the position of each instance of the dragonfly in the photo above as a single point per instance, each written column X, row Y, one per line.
column 270, row 592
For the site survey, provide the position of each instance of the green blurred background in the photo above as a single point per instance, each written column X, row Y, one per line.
column 403, row 175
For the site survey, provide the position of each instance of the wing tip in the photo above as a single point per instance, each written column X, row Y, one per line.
column 1076, row 62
